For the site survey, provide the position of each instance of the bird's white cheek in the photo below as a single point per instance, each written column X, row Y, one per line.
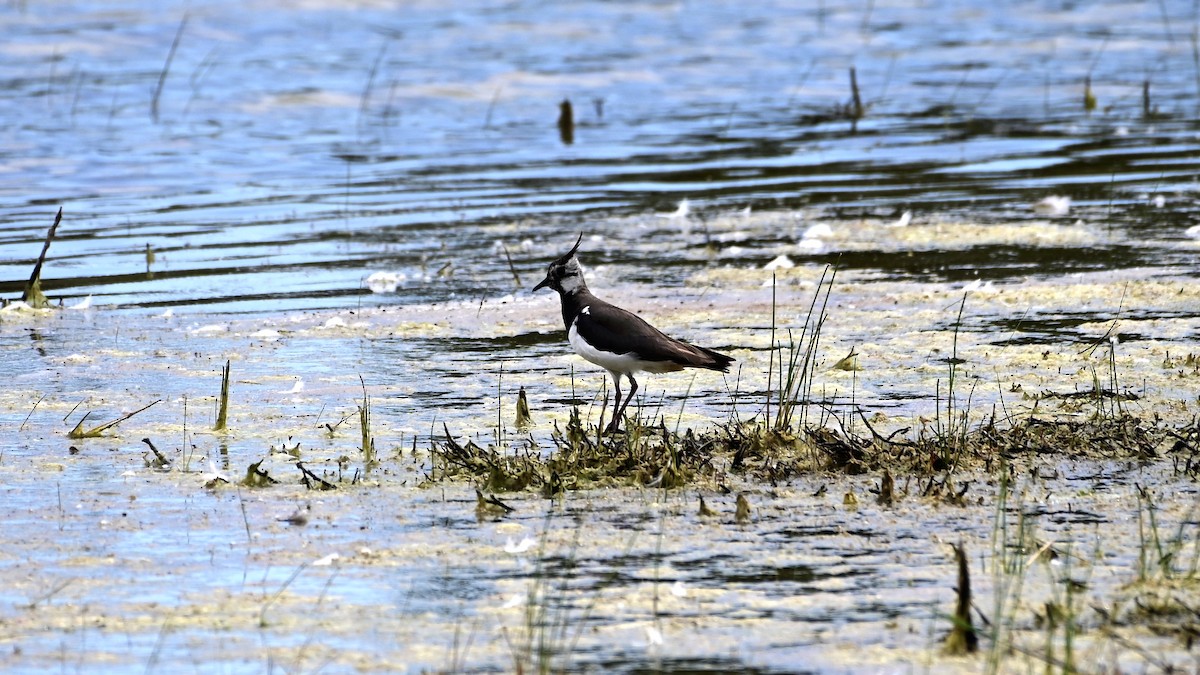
column 571, row 284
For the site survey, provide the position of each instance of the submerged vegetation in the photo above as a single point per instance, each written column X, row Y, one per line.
column 655, row 456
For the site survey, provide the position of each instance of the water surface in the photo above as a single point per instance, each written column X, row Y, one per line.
column 295, row 148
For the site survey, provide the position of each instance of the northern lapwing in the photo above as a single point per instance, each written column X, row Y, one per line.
column 617, row 340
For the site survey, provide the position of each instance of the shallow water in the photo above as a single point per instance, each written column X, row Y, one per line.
column 115, row 564
column 155, row 572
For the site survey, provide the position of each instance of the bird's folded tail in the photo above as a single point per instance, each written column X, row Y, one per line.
column 690, row 355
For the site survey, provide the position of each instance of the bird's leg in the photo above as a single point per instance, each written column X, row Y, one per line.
column 616, row 416
column 633, row 387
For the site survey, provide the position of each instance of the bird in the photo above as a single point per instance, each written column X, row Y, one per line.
column 618, row 340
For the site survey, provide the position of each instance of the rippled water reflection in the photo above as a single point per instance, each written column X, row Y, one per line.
column 300, row 146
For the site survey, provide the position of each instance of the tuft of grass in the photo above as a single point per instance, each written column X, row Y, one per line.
column 364, row 424
column 887, row 489
column 1089, row 97
column 957, row 425
column 256, row 477
column 1009, row 565
column 741, row 514
column 795, row 376
column 1162, row 556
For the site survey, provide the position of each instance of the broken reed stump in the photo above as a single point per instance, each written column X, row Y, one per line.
column 856, row 104
column 223, row 404
column 33, row 295
column 566, row 122
column 962, row 638
column 524, row 418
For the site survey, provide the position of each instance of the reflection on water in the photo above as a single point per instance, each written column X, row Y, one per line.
column 299, row 147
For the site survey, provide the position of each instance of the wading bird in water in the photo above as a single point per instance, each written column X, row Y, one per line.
column 617, row 340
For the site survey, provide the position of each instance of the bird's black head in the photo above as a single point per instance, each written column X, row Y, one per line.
column 565, row 275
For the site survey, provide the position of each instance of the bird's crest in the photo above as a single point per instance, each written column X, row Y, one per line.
column 569, row 254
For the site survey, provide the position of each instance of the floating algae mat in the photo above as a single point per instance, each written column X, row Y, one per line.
column 1045, row 424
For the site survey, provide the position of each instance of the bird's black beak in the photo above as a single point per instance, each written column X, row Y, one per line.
column 541, row 284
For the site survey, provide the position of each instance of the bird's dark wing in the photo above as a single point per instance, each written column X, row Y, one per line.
column 612, row 329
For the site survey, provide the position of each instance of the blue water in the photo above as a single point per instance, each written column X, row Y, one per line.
column 298, row 147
